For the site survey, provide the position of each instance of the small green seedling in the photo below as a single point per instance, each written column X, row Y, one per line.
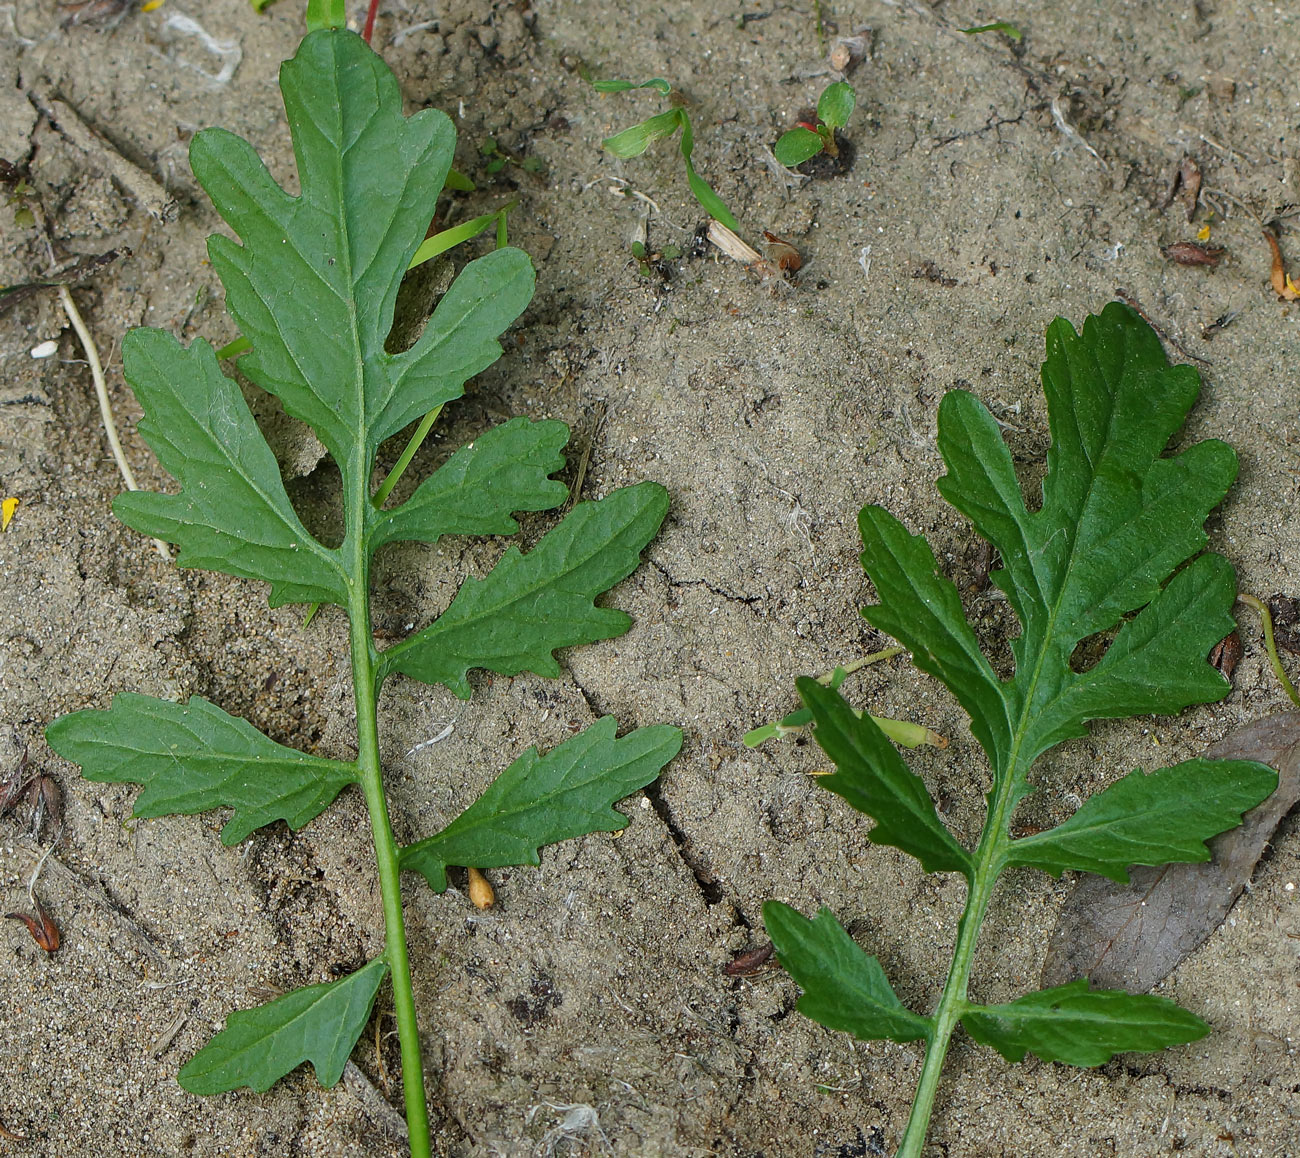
column 1115, row 547
column 834, row 107
column 654, row 263
column 312, row 284
column 497, row 159
column 634, row 141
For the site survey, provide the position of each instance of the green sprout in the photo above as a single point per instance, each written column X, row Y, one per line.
column 634, row 141
column 834, row 108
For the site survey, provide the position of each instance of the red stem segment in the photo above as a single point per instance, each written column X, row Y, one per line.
column 370, row 21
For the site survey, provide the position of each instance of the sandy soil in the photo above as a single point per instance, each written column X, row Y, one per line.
column 589, row 1013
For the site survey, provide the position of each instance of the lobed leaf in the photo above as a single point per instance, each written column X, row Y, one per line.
column 1150, row 819
column 843, row 987
column 1079, row 1026
column 192, row 757
column 233, row 513
column 922, row 610
column 874, row 779
column 314, row 283
column 529, row 605
column 319, row 1024
column 475, row 491
column 540, row 800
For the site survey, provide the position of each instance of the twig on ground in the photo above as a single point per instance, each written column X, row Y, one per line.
column 101, row 392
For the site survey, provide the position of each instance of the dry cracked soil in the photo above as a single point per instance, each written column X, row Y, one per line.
column 996, row 184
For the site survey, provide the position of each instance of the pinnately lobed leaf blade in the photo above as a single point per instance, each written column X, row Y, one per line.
column 922, row 610
column 874, row 779
column 477, row 489
column 192, row 757
column 529, row 605
column 233, row 513
column 540, row 800
column 314, row 283
column 1160, row 818
column 1081, row 1027
column 319, row 1024
column 843, row 987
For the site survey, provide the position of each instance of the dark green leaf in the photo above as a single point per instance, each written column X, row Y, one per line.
column 1116, row 521
column 843, row 987
column 796, row 146
column 232, row 514
column 314, row 283
column 194, row 757
column 529, row 605
column 1079, row 1027
column 539, row 800
column 923, row 611
column 634, row 141
column 836, row 104
column 319, row 1024
column 475, row 491
column 874, row 779
column 1150, row 819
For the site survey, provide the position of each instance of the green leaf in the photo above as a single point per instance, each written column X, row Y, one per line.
column 836, row 104
column 874, row 779
column 843, row 987
column 475, row 491
column 1081, row 1027
column 319, row 1024
column 703, row 191
column 529, row 605
column 922, row 610
column 1151, row 819
column 1002, row 26
column 192, row 757
column 233, row 513
column 634, row 141
column 796, row 146
column 323, row 14
column 540, row 800
column 657, row 83
column 314, row 283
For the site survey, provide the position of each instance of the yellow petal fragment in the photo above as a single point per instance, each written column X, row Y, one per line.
column 1203, row 234
column 152, row 5
column 7, row 509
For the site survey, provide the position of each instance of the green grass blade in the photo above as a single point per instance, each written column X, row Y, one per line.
column 540, row 800
column 529, row 605
column 1081, row 1027
column 193, row 757
column 319, row 1024
column 634, row 141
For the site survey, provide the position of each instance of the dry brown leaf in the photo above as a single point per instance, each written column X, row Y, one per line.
column 1281, row 281
column 43, row 930
column 1194, row 253
column 1131, row 936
